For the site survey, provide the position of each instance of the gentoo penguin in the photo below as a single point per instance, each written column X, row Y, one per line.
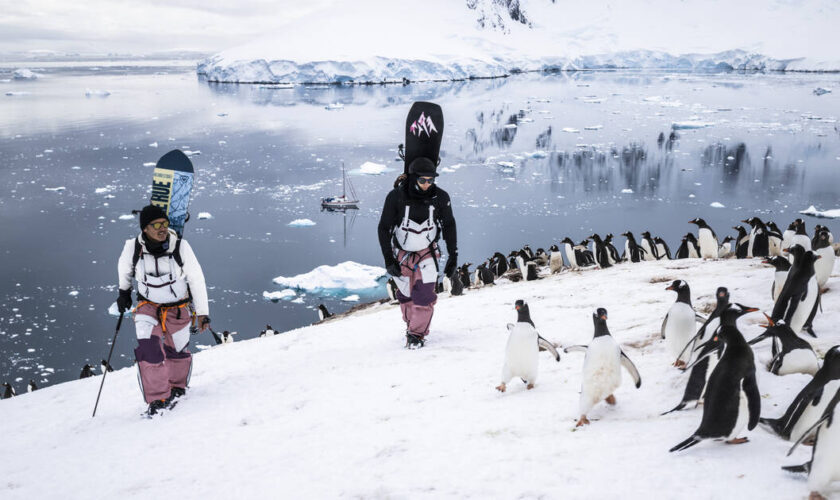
column 87, row 371
column 270, row 332
column 678, row 325
column 527, row 268
column 632, row 251
column 706, row 238
column 614, row 257
column 725, row 249
column 523, row 347
column 571, row 255
column 464, row 274
column 391, row 288
column 227, row 337
column 323, row 313
column 555, row 261
column 602, row 367
column 742, row 242
column 825, row 264
column 31, row 387
column 800, row 294
column 486, row 275
column 732, row 399
column 824, row 467
column 782, row 266
column 774, row 239
column 105, row 366
column 9, row 392
column 791, row 353
column 819, row 228
column 528, row 252
column 499, row 264
column 649, row 247
column 584, row 255
column 703, row 368
column 759, row 245
column 540, row 257
column 456, row 286
column 602, row 255
column 662, row 249
column 688, row 248
column 787, row 236
column 808, row 406
column 800, row 237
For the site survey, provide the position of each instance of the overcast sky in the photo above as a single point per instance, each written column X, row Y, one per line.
column 141, row 26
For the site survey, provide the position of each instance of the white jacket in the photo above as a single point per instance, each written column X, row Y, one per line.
column 160, row 279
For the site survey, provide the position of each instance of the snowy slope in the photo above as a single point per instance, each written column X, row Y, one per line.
column 377, row 40
column 342, row 410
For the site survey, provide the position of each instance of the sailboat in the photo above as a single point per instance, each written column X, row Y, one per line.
column 344, row 201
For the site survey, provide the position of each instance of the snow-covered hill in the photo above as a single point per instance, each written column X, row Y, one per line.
column 386, row 40
column 342, row 410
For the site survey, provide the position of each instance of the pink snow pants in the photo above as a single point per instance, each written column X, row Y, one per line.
column 167, row 365
column 416, row 288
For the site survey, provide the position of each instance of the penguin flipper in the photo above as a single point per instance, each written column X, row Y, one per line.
column 575, row 348
column 631, row 369
column 700, row 318
column 688, row 443
column 826, row 416
column 676, row 408
column 548, row 346
column 753, row 399
column 776, row 363
column 806, row 468
column 664, row 325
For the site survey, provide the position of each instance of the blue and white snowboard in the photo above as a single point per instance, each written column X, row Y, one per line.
column 171, row 187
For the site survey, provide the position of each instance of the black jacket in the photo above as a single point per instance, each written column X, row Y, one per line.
column 407, row 193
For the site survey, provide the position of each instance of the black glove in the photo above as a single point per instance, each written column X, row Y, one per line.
column 451, row 264
column 393, row 268
column 124, row 300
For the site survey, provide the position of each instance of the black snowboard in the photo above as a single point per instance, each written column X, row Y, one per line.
column 423, row 132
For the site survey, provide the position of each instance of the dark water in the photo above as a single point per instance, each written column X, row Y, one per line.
column 267, row 156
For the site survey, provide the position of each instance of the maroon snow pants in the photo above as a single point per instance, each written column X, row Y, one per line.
column 416, row 288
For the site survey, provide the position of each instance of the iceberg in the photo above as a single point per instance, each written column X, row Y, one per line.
column 347, row 275
column 823, row 214
column 25, row 74
column 279, row 295
column 204, row 215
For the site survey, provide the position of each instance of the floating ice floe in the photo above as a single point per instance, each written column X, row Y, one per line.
column 821, row 91
column 536, row 154
column 716, row 204
column 103, row 190
column 301, row 223
column 570, row 130
column 153, row 145
column 204, row 215
column 334, row 106
column 286, row 294
column 351, row 298
column 16, row 94
column 127, row 217
column 593, row 127
column 26, row 74
column 191, row 153
column 73, row 293
column 827, row 214
column 506, row 164
column 371, row 168
column 347, row 275
column 59, row 188
column 690, row 124
column 149, row 164
column 510, row 125
column 627, row 191
column 96, row 93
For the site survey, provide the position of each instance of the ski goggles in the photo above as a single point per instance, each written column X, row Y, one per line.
column 158, row 225
column 425, row 180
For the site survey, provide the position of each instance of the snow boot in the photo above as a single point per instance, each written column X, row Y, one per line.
column 413, row 341
column 157, row 406
column 176, row 393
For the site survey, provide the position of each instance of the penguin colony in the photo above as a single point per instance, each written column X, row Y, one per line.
column 720, row 361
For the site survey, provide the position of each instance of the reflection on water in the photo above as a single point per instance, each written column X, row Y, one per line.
column 527, row 159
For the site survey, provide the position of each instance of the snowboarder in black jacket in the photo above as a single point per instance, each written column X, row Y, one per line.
column 417, row 213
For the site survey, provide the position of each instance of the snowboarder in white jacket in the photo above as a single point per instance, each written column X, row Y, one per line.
column 171, row 297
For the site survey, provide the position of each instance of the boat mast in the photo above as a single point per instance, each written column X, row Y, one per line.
column 343, row 182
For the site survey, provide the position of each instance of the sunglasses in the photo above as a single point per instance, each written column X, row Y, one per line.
column 158, row 225
column 426, row 180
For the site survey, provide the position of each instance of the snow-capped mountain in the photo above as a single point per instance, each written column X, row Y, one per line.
column 376, row 40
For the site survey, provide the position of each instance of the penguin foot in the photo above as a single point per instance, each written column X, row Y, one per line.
column 529, row 386
column 679, row 364
column 738, row 441
column 501, row 388
column 810, row 442
column 824, row 289
column 582, row 421
column 815, row 496
column 610, row 400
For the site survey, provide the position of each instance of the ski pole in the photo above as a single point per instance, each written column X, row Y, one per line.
column 113, row 343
